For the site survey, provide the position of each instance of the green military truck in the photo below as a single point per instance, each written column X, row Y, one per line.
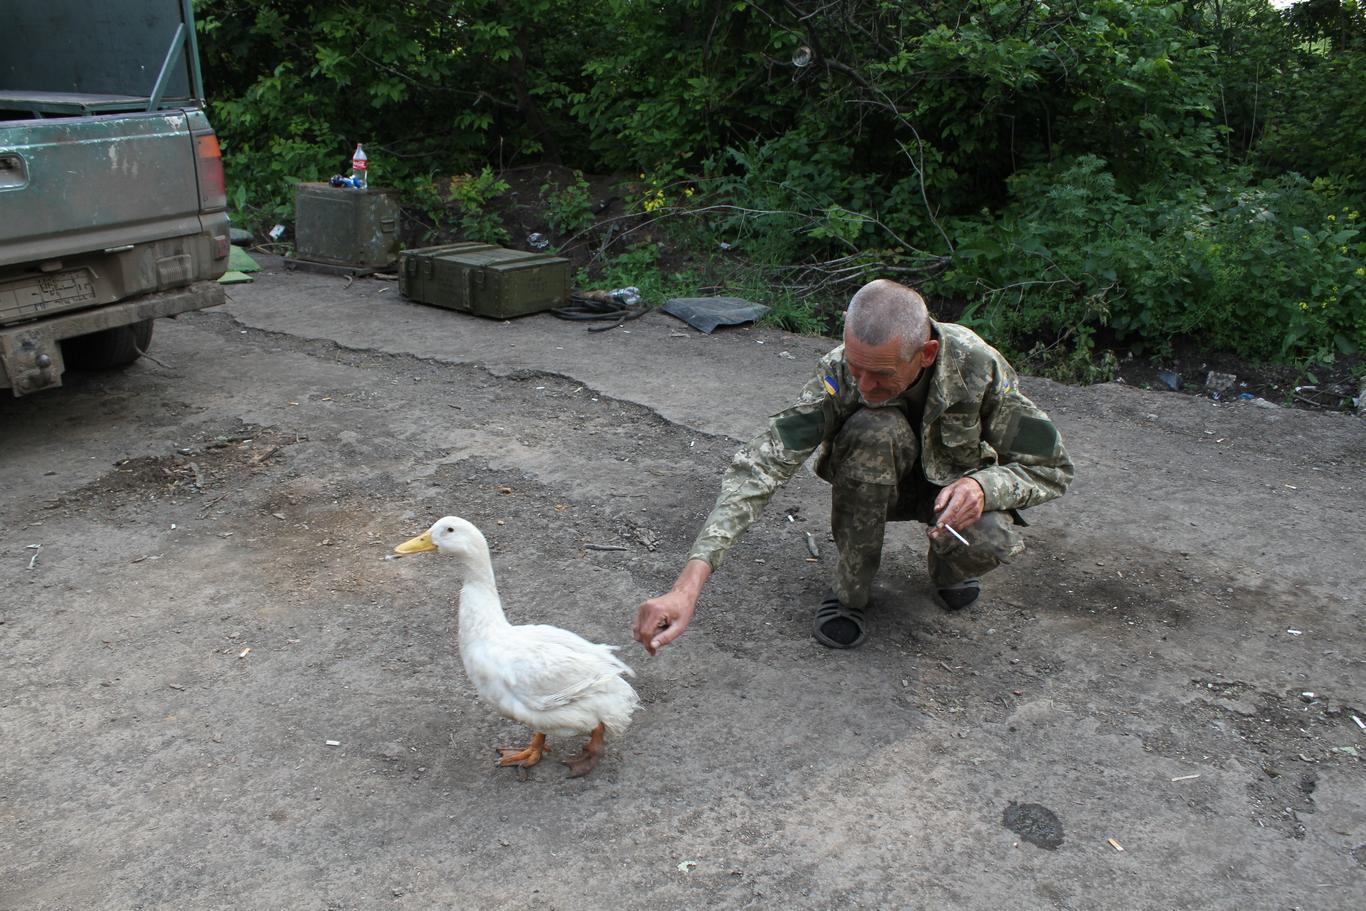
column 112, row 204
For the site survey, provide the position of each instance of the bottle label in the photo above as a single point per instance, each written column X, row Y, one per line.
column 359, row 164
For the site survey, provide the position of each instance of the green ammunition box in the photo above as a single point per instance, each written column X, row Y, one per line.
column 345, row 227
column 484, row 280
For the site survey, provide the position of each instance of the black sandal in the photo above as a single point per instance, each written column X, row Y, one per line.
column 838, row 626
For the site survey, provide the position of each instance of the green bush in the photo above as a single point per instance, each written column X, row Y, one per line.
column 569, row 209
column 462, row 205
column 1095, row 172
column 1271, row 270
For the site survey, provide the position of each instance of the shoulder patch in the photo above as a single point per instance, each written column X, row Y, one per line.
column 1035, row 437
column 801, row 431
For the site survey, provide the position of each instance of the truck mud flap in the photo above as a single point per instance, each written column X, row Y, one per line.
column 32, row 357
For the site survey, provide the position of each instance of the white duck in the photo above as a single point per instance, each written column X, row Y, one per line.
column 547, row 678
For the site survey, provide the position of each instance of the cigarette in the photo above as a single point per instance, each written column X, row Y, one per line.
column 954, row 533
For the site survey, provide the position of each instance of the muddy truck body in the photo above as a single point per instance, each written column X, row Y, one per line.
column 112, row 204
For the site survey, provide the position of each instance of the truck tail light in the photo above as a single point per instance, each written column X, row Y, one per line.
column 213, row 193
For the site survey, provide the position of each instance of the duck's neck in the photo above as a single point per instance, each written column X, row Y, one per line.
column 481, row 609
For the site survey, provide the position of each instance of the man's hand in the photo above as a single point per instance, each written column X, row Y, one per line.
column 661, row 620
column 960, row 505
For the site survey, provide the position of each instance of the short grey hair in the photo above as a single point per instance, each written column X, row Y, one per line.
column 883, row 310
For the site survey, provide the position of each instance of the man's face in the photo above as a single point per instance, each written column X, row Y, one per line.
column 880, row 371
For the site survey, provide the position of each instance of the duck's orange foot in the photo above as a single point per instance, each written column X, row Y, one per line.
column 584, row 762
column 526, row 757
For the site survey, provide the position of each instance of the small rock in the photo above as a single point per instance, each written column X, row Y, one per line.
column 1216, row 384
column 391, row 751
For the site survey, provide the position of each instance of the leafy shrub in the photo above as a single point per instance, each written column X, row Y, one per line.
column 1270, row 270
column 463, row 204
column 640, row 267
column 569, row 209
column 637, row 267
column 1095, row 170
column 1280, row 273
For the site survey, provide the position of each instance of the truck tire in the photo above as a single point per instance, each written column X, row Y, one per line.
column 108, row 348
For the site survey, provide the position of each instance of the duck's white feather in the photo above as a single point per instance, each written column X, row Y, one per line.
column 551, row 680
column 545, row 677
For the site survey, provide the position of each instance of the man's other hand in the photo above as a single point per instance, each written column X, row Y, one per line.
column 960, row 505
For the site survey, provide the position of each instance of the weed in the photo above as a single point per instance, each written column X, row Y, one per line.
column 569, row 209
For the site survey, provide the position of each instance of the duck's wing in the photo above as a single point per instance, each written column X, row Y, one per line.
column 547, row 667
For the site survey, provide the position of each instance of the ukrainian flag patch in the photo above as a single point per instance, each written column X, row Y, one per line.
column 831, row 385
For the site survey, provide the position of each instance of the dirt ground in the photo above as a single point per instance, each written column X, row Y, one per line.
column 215, row 691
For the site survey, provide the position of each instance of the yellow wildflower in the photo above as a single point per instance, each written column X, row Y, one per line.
column 1332, row 218
column 1361, row 272
column 1304, row 305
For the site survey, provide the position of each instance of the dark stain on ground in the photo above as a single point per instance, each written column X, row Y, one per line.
column 192, row 470
column 1035, row 823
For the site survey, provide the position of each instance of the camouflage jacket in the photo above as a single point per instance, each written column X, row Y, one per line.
column 976, row 424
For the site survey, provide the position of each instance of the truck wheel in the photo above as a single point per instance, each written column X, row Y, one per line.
column 108, row 348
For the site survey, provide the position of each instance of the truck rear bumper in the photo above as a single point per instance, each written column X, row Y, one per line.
column 30, row 353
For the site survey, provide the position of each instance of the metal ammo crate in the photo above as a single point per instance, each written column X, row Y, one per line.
column 484, row 280
column 345, row 227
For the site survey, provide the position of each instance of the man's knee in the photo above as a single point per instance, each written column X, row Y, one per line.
column 874, row 446
column 992, row 540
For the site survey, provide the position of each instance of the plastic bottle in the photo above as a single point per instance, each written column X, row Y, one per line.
column 360, row 167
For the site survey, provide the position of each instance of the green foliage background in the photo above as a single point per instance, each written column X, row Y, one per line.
column 1067, row 177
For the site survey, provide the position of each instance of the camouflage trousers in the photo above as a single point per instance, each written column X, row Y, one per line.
column 872, row 465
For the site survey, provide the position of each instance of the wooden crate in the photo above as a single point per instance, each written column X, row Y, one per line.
column 485, row 280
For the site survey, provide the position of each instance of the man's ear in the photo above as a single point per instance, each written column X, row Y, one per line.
column 929, row 352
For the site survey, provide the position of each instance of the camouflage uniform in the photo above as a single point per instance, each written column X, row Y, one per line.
column 975, row 423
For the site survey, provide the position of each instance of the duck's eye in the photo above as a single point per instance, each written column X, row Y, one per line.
column 449, row 530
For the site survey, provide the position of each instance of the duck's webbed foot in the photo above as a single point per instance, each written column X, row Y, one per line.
column 584, row 762
column 526, row 757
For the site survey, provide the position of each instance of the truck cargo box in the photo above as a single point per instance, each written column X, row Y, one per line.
column 485, row 280
column 112, row 198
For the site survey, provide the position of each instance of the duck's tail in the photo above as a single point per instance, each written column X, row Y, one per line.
column 624, row 704
column 620, row 666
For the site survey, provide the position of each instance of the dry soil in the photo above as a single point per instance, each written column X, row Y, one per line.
column 215, row 692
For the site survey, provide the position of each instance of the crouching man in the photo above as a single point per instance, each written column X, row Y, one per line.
column 913, row 419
